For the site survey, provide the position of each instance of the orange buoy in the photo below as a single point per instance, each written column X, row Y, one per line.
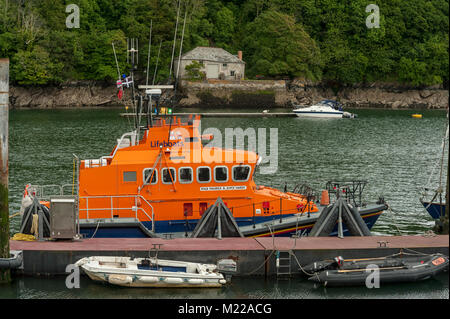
column 325, row 198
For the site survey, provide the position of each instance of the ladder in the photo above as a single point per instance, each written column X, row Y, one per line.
column 283, row 263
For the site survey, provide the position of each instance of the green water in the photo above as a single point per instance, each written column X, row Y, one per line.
column 391, row 150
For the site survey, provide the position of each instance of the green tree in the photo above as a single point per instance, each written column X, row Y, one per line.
column 34, row 67
column 193, row 71
column 278, row 46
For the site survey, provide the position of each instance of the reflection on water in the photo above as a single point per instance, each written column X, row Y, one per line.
column 240, row 288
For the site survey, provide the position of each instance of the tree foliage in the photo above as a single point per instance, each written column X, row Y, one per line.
column 314, row 39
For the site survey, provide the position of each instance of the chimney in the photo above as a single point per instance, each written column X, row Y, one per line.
column 240, row 55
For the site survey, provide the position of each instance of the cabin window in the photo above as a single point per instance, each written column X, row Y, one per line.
column 221, row 174
column 129, row 176
column 203, row 174
column 185, row 175
column 202, row 208
column 187, row 209
column 168, row 175
column 146, row 176
column 241, row 173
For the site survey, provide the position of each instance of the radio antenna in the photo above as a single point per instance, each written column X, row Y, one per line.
column 157, row 60
column 174, row 41
column 149, row 51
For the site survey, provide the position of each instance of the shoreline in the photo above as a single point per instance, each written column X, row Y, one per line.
column 248, row 94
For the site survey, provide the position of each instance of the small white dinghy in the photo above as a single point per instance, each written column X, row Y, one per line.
column 154, row 272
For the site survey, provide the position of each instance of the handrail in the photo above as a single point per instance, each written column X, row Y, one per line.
column 131, row 134
column 134, row 208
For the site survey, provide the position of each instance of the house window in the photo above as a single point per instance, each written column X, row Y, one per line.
column 232, row 73
column 241, row 173
column 146, row 175
column 168, row 175
column 185, row 175
column 224, row 65
column 221, row 174
column 203, row 174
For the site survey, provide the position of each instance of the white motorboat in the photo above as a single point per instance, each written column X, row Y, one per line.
column 324, row 109
column 155, row 272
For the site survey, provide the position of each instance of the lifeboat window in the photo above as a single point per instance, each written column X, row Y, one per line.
column 202, row 208
column 221, row 174
column 146, row 175
column 185, row 175
column 168, row 175
column 241, row 173
column 188, row 209
column 203, row 174
column 129, row 176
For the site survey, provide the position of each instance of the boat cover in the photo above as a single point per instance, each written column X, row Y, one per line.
column 217, row 221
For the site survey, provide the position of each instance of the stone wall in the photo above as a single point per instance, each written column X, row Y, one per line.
column 237, row 94
column 376, row 95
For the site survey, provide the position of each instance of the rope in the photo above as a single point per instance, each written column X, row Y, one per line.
column 95, row 232
column 34, row 225
column 393, row 221
column 298, row 263
column 23, row 237
column 265, row 262
column 14, row 215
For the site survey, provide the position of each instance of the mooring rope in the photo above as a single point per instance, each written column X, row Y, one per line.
column 95, row 232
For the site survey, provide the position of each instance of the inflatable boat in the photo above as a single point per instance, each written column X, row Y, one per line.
column 397, row 268
column 154, row 272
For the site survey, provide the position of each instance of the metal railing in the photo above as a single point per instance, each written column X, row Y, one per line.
column 134, row 139
column 44, row 192
column 136, row 208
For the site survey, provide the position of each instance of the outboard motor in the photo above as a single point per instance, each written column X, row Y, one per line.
column 227, row 267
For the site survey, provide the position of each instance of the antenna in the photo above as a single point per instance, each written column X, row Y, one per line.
column 115, row 57
column 149, row 50
column 174, row 41
column 178, row 68
column 133, row 51
column 181, row 48
column 157, row 60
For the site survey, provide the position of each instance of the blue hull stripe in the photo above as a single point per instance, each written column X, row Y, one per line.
column 177, row 226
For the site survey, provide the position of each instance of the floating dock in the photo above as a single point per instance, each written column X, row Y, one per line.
column 254, row 256
column 223, row 114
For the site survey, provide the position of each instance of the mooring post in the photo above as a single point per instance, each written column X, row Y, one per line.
column 5, row 275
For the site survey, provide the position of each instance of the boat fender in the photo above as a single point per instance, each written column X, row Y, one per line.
column 147, row 279
column 14, row 262
column 196, row 281
column 173, row 280
column 120, row 279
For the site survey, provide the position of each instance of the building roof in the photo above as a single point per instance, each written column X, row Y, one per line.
column 211, row 54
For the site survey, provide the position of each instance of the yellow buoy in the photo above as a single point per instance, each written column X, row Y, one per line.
column 417, row 116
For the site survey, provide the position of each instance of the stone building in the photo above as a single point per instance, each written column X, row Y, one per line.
column 217, row 63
